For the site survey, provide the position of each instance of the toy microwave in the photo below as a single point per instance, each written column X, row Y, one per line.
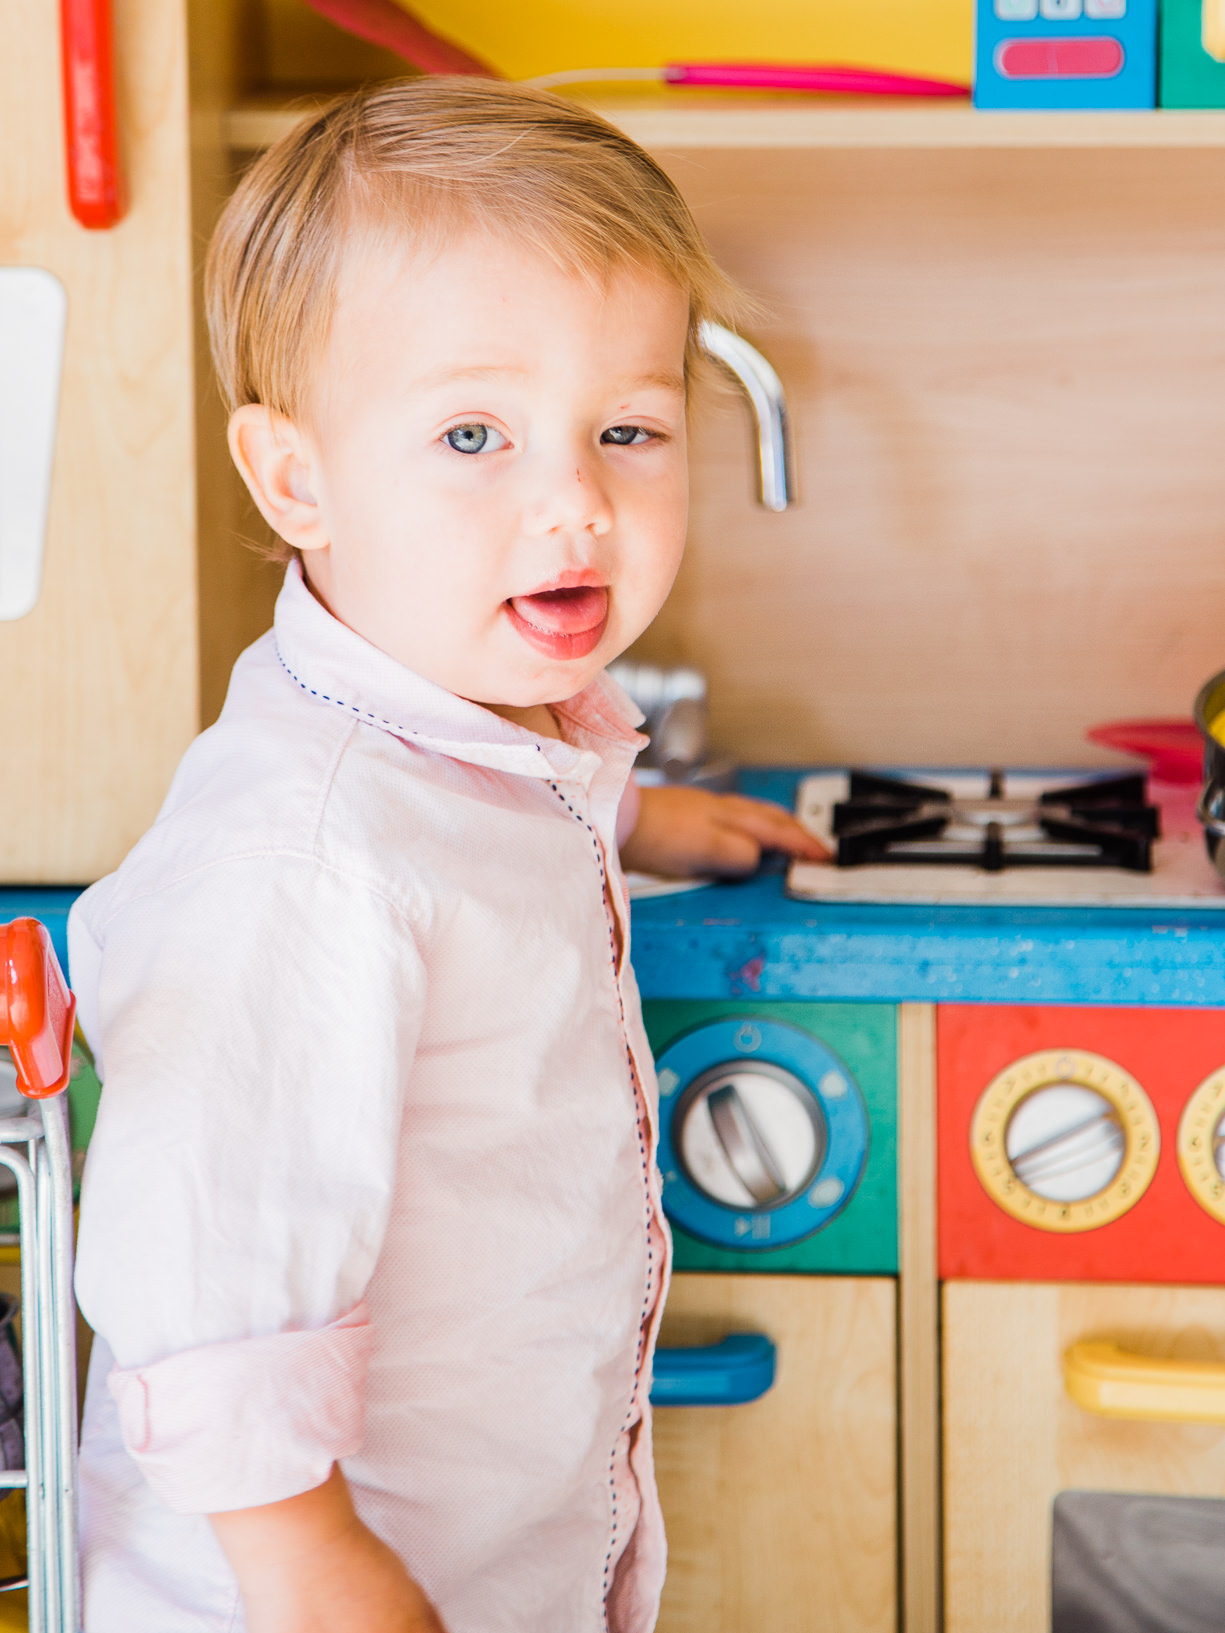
column 1065, row 54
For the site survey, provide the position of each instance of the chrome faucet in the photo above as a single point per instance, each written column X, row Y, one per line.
column 764, row 390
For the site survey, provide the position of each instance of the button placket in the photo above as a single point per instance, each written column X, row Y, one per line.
column 648, row 1318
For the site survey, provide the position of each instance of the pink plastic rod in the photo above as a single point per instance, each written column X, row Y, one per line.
column 764, row 76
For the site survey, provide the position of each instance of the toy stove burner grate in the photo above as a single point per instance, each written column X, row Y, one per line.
column 1107, row 823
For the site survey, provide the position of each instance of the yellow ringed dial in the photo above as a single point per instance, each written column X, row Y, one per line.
column 1130, row 1105
column 1197, row 1137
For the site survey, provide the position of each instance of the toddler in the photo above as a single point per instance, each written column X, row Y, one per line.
column 370, row 1233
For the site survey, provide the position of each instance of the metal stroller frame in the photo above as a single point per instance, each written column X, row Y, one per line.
column 37, row 1015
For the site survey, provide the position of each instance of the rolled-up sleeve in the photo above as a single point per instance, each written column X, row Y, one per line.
column 256, row 1024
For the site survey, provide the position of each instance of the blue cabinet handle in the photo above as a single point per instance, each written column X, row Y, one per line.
column 739, row 1369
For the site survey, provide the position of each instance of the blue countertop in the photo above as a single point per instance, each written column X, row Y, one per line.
column 748, row 939
column 50, row 903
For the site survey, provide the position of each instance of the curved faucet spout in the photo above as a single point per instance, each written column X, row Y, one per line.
column 764, row 390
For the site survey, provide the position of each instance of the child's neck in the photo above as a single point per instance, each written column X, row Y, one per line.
column 538, row 718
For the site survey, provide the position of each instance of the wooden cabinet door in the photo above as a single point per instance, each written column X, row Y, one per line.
column 782, row 1514
column 1013, row 1439
column 100, row 679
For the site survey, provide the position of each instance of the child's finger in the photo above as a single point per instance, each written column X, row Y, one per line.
column 730, row 850
column 772, row 827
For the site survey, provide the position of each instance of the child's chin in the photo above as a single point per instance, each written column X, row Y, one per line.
column 563, row 682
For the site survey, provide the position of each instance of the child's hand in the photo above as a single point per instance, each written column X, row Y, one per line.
column 308, row 1565
column 684, row 831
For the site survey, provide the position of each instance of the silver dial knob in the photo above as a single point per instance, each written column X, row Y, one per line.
column 750, row 1135
column 1218, row 1146
column 1065, row 1142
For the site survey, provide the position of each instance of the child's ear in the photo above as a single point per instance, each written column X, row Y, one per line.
column 274, row 460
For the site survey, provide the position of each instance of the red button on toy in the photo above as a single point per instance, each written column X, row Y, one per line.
column 1060, row 59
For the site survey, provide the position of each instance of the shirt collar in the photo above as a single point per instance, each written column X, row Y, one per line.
column 336, row 666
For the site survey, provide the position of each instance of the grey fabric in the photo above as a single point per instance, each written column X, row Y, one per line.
column 1123, row 1563
column 12, row 1443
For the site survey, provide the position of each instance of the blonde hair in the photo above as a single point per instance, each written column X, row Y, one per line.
column 412, row 160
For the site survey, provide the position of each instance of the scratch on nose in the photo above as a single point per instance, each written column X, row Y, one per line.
column 579, row 473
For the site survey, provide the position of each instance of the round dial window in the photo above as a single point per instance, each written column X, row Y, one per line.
column 1201, row 1145
column 763, row 1132
column 750, row 1134
column 1065, row 1140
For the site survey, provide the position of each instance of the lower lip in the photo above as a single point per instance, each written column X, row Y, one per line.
column 553, row 643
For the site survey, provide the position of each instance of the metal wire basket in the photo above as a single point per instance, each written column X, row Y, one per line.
column 37, row 1015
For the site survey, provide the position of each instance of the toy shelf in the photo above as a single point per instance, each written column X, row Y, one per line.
column 690, row 120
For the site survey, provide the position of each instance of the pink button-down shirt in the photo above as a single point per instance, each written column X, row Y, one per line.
column 374, row 1176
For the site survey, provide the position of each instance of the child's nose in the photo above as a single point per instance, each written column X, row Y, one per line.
column 570, row 497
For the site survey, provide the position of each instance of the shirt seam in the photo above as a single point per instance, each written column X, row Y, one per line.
column 640, row 1110
column 329, row 781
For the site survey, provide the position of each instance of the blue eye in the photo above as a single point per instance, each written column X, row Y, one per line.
column 474, row 439
column 625, row 436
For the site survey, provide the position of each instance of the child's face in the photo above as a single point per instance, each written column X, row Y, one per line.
column 493, row 487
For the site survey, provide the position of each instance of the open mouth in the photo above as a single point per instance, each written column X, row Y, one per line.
column 561, row 623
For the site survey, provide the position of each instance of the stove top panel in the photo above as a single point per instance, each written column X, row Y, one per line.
column 1015, row 837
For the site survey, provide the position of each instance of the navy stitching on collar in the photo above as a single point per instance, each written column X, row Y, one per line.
column 364, row 714
column 352, row 708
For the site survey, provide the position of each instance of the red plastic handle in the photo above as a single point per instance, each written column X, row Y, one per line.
column 386, row 23
column 37, row 1011
column 95, row 190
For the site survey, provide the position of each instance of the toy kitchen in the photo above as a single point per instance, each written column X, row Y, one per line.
column 945, row 1119
column 941, row 1120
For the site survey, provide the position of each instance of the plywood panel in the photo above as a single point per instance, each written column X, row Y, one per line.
column 302, row 48
column 672, row 120
column 782, row 1513
column 236, row 585
column 1007, row 378
column 101, row 678
column 919, row 1319
column 1013, row 1439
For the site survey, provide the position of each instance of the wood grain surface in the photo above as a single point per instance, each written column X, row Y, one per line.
column 673, row 120
column 1006, row 372
column 101, row 677
column 236, row 586
column 918, row 1320
column 782, row 1513
column 1013, row 1439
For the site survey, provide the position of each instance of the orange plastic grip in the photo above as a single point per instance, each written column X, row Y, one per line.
column 37, row 1011
column 95, row 186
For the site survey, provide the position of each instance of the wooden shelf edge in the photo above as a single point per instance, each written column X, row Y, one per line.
column 665, row 123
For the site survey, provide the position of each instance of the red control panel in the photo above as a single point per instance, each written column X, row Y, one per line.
column 1081, row 1144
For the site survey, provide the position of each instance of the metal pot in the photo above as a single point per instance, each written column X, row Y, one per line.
column 1210, row 808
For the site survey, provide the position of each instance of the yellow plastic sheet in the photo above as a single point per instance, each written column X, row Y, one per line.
column 14, row 1615
column 926, row 37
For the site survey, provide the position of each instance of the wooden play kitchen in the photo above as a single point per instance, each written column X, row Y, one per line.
column 1003, row 346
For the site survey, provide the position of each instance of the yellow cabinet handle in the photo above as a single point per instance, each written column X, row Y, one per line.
column 1212, row 30
column 1105, row 1379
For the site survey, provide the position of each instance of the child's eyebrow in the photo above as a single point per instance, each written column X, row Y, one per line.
column 666, row 379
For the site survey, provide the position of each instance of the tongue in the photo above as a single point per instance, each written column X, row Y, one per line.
column 563, row 612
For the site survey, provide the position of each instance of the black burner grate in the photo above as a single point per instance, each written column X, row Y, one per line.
column 1104, row 823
